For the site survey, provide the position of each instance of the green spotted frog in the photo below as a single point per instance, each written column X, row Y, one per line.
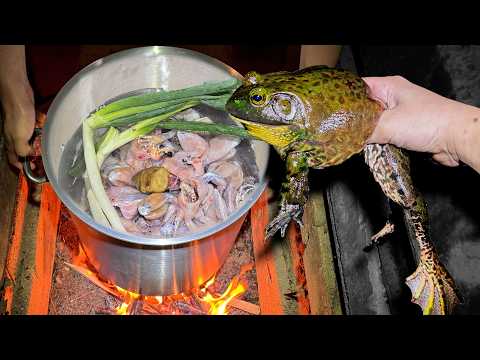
column 319, row 117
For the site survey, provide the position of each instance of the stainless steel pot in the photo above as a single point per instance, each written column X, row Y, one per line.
column 150, row 266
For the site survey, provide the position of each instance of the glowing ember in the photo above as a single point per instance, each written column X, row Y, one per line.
column 203, row 301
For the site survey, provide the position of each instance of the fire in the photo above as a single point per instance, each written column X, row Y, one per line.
column 122, row 309
column 218, row 304
column 128, row 299
column 132, row 303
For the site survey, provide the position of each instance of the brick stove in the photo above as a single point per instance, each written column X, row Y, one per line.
column 39, row 277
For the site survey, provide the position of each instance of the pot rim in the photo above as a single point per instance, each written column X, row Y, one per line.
column 128, row 237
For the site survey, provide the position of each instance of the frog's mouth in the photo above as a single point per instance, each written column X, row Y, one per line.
column 276, row 135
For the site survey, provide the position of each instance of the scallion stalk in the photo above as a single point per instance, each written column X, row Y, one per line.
column 212, row 128
column 208, row 88
column 95, row 207
column 95, row 178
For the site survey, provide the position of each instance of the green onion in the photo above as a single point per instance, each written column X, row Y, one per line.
column 78, row 167
column 95, row 207
column 196, row 126
column 208, row 88
column 95, row 179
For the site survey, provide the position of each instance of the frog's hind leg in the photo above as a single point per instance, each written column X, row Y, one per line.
column 431, row 285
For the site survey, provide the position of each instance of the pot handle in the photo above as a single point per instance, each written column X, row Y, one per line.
column 26, row 164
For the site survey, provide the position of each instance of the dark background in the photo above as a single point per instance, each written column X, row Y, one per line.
column 371, row 283
column 375, row 283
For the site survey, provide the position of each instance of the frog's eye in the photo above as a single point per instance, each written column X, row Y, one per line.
column 258, row 96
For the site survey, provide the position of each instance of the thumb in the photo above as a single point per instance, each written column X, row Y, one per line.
column 385, row 128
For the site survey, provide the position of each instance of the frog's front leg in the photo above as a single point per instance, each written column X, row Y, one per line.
column 294, row 194
column 432, row 286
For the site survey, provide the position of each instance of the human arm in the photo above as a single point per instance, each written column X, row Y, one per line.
column 418, row 119
column 16, row 98
column 319, row 55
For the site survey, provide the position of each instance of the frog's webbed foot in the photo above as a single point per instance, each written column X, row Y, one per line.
column 287, row 213
column 433, row 288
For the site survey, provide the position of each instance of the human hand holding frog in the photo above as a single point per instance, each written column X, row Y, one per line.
column 420, row 120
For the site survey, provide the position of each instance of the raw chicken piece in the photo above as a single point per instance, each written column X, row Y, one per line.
column 220, row 206
column 189, row 205
column 231, row 171
column 155, row 206
column 173, row 183
column 126, row 199
column 143, row 224
column 111, row 163
column 215, row 179
column 220, row 147
column 192, row 144
column 136, row 156
column 156, row 145
column 131, row 226
column 179, row 165
column 121, row 176
column 207, row 216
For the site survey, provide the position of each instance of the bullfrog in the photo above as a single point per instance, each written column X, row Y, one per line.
column 318, row 117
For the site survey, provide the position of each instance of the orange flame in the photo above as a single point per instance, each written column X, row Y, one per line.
column 122, row 309
column 218, row 304
column 128, row 299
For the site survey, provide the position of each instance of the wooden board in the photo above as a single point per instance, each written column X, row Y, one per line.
column 267, row 278
column 297, row 249
column 8, row 186
column 44, row 252
column 15, row 244
column 318, row 262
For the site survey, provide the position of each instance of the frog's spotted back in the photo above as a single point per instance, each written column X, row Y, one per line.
column 329, row 84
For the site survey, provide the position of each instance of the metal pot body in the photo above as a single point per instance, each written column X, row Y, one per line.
column 157, row 270
column 146, row 265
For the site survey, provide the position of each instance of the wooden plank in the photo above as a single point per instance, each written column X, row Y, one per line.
column 44, row 252
column 245, row 306
column 297, row 249
column 270, row 298
column 13, row 255
column 318, row 262
column 8, row 186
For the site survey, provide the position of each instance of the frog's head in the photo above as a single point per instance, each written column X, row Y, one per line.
column 268, row 108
